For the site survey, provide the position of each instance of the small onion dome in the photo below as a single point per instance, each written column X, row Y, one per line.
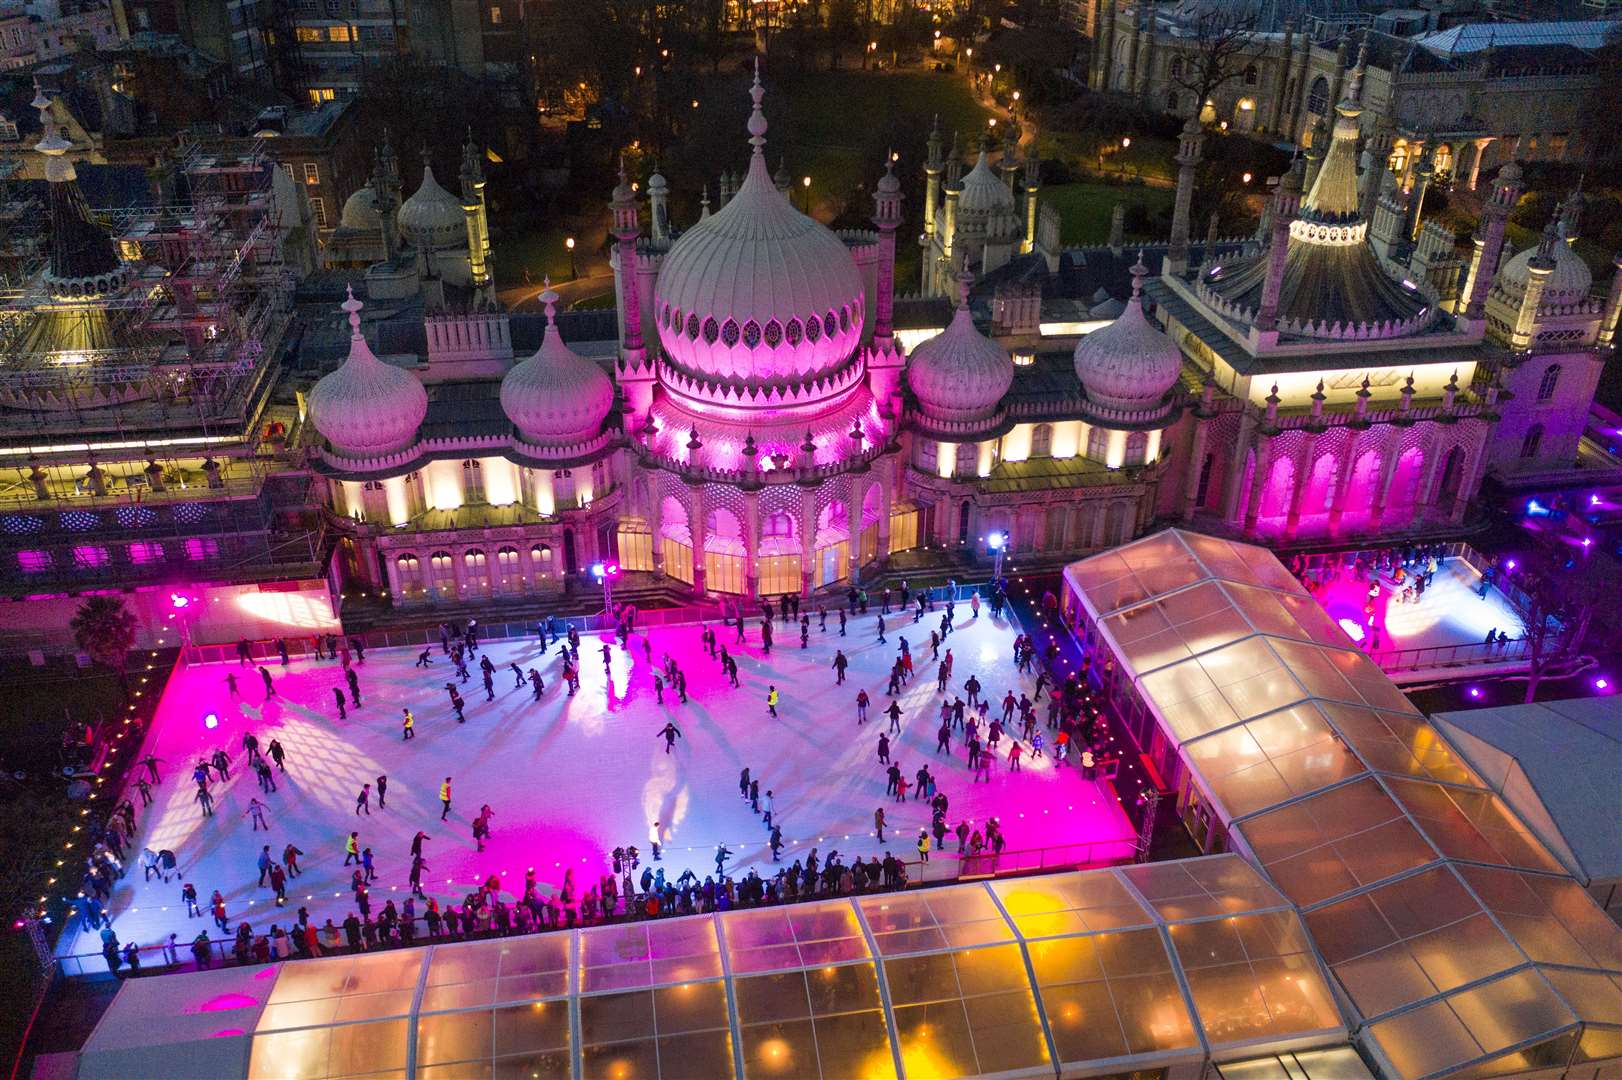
column 360, row 211
column 432, row 218
column 1567, row 283
column 960, row 374
column 1128, row 364
column 556, row 397
column 367, row 408
column 983, row 192
column 889, row 183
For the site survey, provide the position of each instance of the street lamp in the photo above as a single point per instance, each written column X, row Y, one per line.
column 805, row 182
column 568, row 242
column 997, row 541
column 605, row 573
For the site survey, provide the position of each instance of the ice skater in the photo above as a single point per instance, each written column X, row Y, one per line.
column 771, row 701
column 338, row 698
column 445, row 798
column 670, row 732
column 257, row 809
column 382, row 791
column 408, row 726
column 878, row 824
column 722, row 853
column 354, row 686
column 363, row 801
column 270, row 687
column 894, row 713
column 862, row 702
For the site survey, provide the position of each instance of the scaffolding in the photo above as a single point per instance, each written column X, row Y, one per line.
column 185, row 342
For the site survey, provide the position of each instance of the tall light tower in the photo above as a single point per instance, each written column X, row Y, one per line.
column 998, row 543
column 605, row 573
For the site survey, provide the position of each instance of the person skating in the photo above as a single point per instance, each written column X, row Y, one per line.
column 901, row 787
column 417, row 842
column 894, row 713
column 263, row 862
column 205, row 799
column 354, row 686
column 839, row 665
column 882, row 639
column 670, row 732
column 771, row 805
column 943, row 738
column 923, row 845
column 972, row 688
column 754, row 795
column 776, row 842
column 152, row 762
column 278, row 883
column 771, row 700
column 743, row 782
column 878, row 824
column 1014, row 752
column 884, row 749
column 536, row 683
column 257, row 810
column 489, row 686
column 722, row 852
column 281, row 650
column 188, row 895
column 658, row 689
column 841, row 624
column 363, row 801
column 518, row 676
column 270, row 687
column 250, row 743
column 445, row 798
column 366, row 864
column 352, row 849
column 408, row 726
column 921, row 783
column 290, row 856
column 805, row 631
column 862, row 701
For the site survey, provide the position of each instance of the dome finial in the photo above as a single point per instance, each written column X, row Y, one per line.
column 757, row 118
column 549, row 298
column 352, row 306
column 1139, row 272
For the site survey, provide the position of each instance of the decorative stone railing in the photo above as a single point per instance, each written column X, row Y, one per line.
column 808, row 391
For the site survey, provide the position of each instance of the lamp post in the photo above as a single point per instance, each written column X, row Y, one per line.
column 605, row 573
column 568, row 242
column 805, row 183
column 997, row 542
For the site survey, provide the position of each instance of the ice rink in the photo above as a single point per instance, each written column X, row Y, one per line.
column 1452, row 611
column 570, row 778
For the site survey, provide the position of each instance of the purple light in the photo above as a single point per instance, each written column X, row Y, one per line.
column 1602, row 683
column 179, row 601
column 1588, row 541
column 211, row 721
column 1512, row 564
column 1474, row 692
column 1593, row 500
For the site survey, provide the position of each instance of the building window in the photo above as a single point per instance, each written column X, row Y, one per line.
column 1204, row 490
column 287, row 167
column 318, row 207
column 1137, row 448
column 495, row 15
column 1042, row 441
column 1318, row 97
column 340, row 33
column 8, row 131
column 312, row 174
column 1551, row 379
column 308, row 34
column 1533, row 440
column 1252, row 76
column 318, row 94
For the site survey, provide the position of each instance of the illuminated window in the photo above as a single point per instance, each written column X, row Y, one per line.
column 318, row 94
column 495, row 15
column 340, row 33
column 33, row 562
column 144, row 554
column 202, row 548
column 312, row 174
column 308, row 33
column 1551, row 379
column 90, row 555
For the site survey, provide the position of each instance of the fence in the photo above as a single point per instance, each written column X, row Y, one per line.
column 301, row 647
column 945, row 869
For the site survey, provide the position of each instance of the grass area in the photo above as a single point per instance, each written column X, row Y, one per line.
column 539, row 250
column 1594, row 254
column 1086, row 209
column 1148, row 158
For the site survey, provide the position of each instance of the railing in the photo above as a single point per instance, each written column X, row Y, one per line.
column 724, row 612
column 946, row 868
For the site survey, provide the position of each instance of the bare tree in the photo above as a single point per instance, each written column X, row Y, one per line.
column 1223, row 46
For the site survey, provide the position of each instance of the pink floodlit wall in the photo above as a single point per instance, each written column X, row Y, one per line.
column 213, row 614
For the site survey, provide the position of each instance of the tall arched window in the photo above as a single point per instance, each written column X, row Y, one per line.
column 1252, row 76
column 1042, row 441
column 1551, row 379
column 1533, row 440
column 1172, row 101
column 1137, row 446
column 1318, row 97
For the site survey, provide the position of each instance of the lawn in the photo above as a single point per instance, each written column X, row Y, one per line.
column 540, row 251
column 1086, row 208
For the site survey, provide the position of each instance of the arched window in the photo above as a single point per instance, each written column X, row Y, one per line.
column 443, row 573
column 1042, row 441
column 511, row 577
column 1318, row 97
column 1137, row 447
column 1551, row 379
column 1533, row 440
column 409, row 573
column 780, row 524
column 1176, row 67
column 968, row 459
column 1172, row 101
column 1097, row 443
column 1252, row 76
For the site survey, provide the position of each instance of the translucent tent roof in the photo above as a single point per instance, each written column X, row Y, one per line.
column 1422, row 889
column 1126, row 968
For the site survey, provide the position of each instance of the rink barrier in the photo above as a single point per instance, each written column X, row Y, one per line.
column 302, row 647
column 1468, row 654
column 948, row 868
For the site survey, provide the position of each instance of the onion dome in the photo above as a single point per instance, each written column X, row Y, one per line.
column 983, row 192
column 1570, row 280
column 556, row 397
column 83, row 261
column 360, row 211
column 960, row 374
column 432, row 218
column 757, row 294
column 1128, row 364
column 367, row 408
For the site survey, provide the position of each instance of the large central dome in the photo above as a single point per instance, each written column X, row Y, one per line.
column 758, row 296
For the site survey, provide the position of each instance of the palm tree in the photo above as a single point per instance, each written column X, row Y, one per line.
column 105, row 630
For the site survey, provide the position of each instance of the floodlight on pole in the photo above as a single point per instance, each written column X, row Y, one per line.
column 605, row 573
column 998, row 543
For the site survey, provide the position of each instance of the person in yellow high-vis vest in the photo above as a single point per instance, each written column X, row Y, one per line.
column 445, row 798
column 408, row 726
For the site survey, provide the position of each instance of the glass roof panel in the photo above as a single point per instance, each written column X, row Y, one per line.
column 1332, row 842
column 1317, row 673
column 336, row 976
column 1188, row 700
column 1266, row 610
column 939, row 918
column 1399, row 743
column 1511, row 1010
column 1472, row 825
column 1425, row 1040
column 1596, row 998
column 1069, row 903
column 1553, row 919
column 1200, row 888
column 1370, row 682
column 1271, row 759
